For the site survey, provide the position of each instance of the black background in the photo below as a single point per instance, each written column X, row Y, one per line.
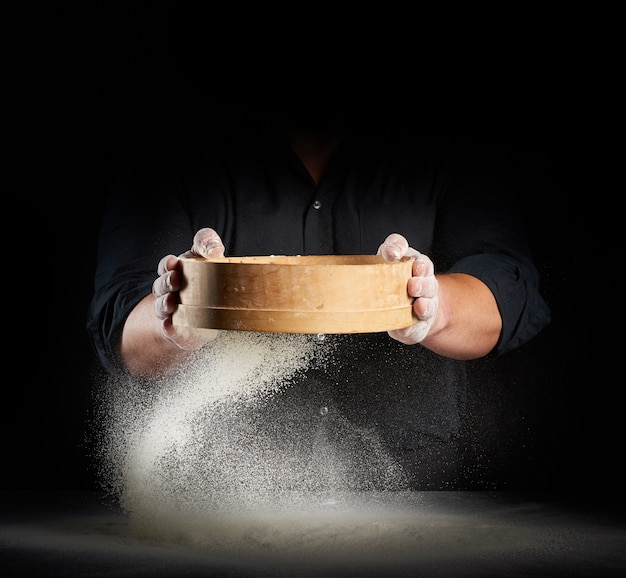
column 90, row 81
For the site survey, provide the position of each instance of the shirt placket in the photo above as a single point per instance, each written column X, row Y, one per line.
column 318, row 223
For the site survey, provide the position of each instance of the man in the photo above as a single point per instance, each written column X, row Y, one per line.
column 305, row 179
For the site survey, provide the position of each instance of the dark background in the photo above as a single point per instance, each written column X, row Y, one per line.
column 91, row 81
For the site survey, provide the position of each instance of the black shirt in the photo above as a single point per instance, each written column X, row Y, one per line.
column 450, row 202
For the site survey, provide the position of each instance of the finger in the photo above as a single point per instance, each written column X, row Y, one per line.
column 410, row 335
column 422, row 266
column 401, row 335
column 166, row 283
column 187, row 340
column 170, row 332
column 394, row 247
column 207, row 243
column 165, row 305
column 414, row 333
column 424, row 308
column 423, row 287
column 168, row 263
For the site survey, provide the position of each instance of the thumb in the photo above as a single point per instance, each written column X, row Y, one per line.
column 207, row 243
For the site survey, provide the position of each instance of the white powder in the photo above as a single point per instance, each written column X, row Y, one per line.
column 213, row 443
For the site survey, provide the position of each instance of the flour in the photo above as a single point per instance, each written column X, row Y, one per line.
column 216, row 441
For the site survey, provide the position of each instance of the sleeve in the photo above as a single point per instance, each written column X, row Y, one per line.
column 144, row 219
column 481, row 232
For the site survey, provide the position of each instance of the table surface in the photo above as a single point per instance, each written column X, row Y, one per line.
column 403, row 534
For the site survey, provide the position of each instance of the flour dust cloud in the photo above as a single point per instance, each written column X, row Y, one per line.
column 218, row 440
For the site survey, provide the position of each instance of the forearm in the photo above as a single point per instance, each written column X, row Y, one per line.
column 468, row 321
column 144, row 351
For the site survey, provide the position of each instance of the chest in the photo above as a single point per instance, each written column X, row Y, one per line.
column 270, row 208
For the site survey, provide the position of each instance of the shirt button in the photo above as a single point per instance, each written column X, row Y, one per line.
column 323, row 410
column 317, row 205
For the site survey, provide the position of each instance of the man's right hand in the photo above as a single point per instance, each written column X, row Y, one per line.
column 206, row 243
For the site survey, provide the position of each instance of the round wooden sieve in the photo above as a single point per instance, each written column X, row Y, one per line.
column 296, row 294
